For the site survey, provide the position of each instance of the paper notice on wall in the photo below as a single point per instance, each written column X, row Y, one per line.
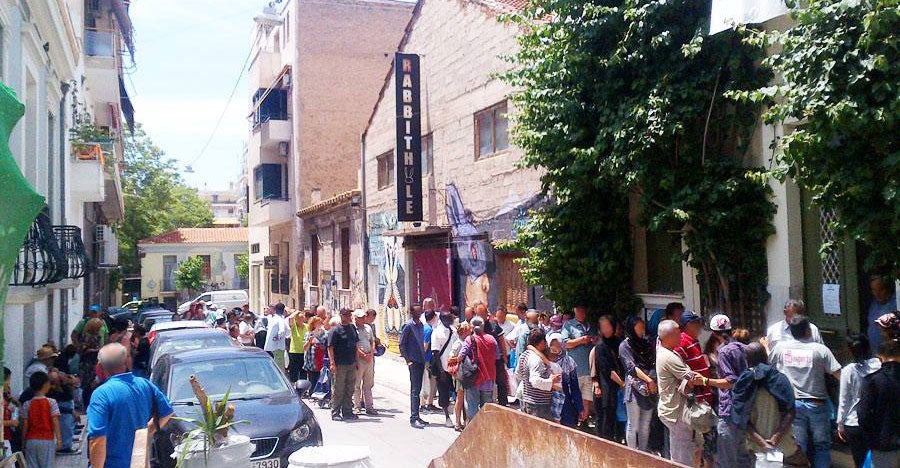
column 831, row 299
column 727, row 13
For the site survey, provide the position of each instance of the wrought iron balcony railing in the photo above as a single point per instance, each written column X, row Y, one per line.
column 41, row 260
column 69, row 239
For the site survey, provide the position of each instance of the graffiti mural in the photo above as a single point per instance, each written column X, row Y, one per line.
column 386, row 253
column 471, row 249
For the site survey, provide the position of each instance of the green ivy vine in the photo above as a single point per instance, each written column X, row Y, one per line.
column 626, row 100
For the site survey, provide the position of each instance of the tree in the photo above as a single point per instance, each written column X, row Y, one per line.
column 189, row 275
column 156, row 199
column 242, row 266
column 841, row 82
column 625, row 100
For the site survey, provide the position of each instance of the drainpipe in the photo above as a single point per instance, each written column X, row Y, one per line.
column 364, row 236
column 64, row 296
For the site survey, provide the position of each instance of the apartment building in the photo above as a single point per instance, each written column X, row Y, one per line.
column 315, row 72
column 226, row 205
column 65, row 61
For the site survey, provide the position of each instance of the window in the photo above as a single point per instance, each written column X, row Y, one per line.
column 273, row 107
column 664, row 267
column 385, row 170
column 254, row 248
column 491, row 128
column 345, row 258
column 269, row 183
column 427, row 154
column 206, row 271
column 314, row 259
column 170, row 264
column 230, row 210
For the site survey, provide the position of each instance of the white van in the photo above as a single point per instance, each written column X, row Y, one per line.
column 227, row 299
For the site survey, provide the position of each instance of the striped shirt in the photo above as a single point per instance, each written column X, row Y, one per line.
column 535, row 378
column 693, row 356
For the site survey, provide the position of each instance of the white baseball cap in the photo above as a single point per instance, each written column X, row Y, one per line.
column 720, row 322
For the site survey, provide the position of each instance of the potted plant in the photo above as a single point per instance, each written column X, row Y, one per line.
column 209, row 442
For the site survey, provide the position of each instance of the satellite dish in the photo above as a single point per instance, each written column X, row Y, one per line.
column 189, row 169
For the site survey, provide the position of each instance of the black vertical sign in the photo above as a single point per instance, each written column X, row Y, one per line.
column 409, row 137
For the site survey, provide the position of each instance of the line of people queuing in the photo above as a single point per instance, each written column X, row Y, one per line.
column 729, row 402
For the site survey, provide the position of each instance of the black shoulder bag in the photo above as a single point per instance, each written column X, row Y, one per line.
column 468, row 367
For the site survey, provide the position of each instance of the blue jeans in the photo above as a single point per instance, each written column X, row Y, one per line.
column 475, row 399
column 66, row 423
column 812, row 428
column 416, row 371
column 730, row 449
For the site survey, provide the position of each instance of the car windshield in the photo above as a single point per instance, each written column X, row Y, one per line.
column 245, row 378
column 177, row 344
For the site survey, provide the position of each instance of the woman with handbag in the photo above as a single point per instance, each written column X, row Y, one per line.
column 464, row 330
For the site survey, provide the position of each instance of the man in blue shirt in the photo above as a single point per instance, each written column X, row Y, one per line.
column 412, row 348
column 884, row 301
column 579, row 336
column 119, row 407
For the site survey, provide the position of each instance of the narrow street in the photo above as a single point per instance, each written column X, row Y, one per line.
column 393, row 442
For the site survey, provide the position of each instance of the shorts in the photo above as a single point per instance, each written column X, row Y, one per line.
column 586, row 385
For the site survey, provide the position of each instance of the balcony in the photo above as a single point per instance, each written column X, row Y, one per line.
column 271, row 132
column 270, row 212
column 87, row 169
column 40, row 260
column 100, row 42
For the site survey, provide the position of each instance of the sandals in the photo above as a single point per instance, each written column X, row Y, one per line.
column 458, row 428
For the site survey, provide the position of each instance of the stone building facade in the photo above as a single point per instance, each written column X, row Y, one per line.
column 473, row 194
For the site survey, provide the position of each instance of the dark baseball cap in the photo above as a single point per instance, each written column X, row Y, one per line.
column 688, row 317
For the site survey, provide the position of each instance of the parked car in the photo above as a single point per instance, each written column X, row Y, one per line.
column 150, row 318
column 144, row 312
column 190, row 339
column 279, row 422
column 163, row 327
column 225, row 299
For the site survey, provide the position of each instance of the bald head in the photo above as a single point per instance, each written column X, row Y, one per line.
column 112, row 358
column 428, row 304
column 531, row 317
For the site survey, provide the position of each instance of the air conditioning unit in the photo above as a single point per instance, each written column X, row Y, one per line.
column 283, row 149
column 106, row 246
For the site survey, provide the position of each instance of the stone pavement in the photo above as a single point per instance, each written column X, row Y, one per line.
column 394, row 443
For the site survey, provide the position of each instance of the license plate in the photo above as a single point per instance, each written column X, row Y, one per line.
column 267, row 463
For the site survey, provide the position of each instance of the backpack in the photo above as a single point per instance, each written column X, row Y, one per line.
column 467, row 372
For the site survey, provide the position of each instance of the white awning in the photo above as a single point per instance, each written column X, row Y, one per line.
column 727, row 13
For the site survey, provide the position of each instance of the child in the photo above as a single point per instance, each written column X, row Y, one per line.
column 10, row 415
column 40, row 424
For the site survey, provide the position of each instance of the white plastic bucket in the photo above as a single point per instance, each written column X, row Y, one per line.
column 332, row 456
column 235, row 453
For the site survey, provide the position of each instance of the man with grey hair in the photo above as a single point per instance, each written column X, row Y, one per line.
column 676, row 380
column 118, row 408
column 779, row 331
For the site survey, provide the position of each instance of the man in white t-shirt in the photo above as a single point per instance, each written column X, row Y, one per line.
column 277, row 332
column 806, row 363
column 779, row 331
column 442, row 338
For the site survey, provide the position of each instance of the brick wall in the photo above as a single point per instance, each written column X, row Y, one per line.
column 344, row 48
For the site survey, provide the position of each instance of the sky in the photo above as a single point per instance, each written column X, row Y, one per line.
column 189, row 55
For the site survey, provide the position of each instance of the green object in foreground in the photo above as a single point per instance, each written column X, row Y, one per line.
column 19, row 203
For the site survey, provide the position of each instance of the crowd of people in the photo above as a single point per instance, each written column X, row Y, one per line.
column 701, row 393
column 698, row 392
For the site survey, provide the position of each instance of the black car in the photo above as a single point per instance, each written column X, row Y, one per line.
column 279, row 422
column 144, row 314
column 190, row 339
